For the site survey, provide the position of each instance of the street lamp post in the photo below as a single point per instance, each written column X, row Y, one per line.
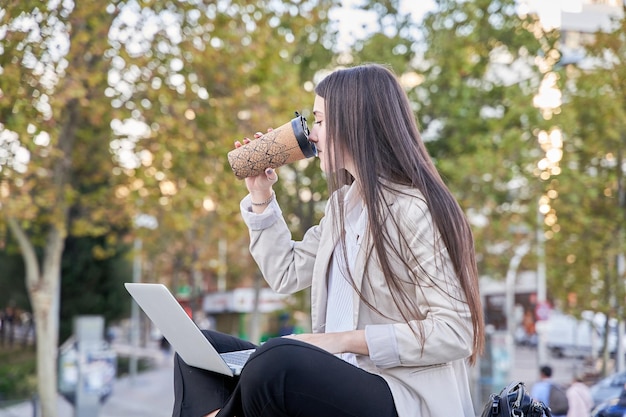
column 511, row 276
column 542, row 354
column 148, row 222
column 134, row 311
column 621, row 271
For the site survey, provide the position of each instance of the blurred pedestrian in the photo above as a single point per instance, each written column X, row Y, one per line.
column 550, row 393
column 579, row 398
column 27, row 323
column 9, row 321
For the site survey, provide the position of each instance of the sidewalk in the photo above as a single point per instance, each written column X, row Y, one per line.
column 149, row 394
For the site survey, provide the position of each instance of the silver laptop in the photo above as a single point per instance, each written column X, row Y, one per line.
column 182, row 333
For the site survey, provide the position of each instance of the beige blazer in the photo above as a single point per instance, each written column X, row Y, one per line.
column 426, row 380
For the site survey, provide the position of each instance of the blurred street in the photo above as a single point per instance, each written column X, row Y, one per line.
column 151, row 393
column 527, row 367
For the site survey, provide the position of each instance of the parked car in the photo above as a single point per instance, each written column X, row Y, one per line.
column 608, row 388
column 611, row 408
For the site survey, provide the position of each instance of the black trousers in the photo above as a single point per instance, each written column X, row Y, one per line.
column 284, row 377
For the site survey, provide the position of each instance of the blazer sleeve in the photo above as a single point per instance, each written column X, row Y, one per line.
column 444, row 317
column 286, row 265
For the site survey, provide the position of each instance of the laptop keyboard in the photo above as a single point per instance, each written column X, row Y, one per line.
column 238, row 357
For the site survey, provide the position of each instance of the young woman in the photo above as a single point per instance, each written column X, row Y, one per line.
column 396, row 312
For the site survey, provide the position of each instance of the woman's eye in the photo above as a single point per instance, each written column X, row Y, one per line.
column 318, row 122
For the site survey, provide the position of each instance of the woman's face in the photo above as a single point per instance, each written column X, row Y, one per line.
column 318, row 136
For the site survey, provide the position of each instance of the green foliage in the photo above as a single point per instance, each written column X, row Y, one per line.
column 123, row 365
column 126, row 108
column 228, row 73
column 591, row 204
column 394, row 38
column 129, row 108
column 12, row 285
column 17, row 373
column 473, row 83
column 201, row 78
column 93, row 286
column 475, row 106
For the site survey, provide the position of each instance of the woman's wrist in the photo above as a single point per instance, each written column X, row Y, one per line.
column 354, row 341
column 259, row 201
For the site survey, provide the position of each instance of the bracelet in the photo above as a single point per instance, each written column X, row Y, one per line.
column 266, row 202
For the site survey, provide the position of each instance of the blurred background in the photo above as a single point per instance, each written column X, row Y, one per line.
column 116, row 118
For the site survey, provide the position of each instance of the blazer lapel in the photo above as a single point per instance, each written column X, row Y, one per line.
column 357, row 276
column 365, row 249
column 319, row 286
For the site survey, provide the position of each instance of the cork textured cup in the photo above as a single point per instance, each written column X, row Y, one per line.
column 283, row 145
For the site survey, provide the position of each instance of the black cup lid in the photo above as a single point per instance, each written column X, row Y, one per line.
column 301, row 130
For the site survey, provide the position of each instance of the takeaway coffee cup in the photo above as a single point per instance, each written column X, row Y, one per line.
column 283, row 145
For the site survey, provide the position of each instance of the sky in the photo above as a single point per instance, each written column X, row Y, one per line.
column 550, row 10
column 355, row 23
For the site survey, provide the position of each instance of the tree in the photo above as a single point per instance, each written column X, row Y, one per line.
column 124, row 108
column 54, row 118
column 592, row 191
column 226, row 72
column 478, row 118
column 470, row 69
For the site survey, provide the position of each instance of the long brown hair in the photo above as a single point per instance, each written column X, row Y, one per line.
column 368, row 116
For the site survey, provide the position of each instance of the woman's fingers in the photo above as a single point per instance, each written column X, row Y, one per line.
column 238, row 144
column 271, row 175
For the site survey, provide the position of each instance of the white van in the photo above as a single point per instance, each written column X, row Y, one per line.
column 567, row 336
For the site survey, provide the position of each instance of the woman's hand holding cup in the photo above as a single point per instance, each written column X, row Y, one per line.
column 260, row 186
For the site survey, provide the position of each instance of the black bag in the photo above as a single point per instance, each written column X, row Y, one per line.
column 514, row 401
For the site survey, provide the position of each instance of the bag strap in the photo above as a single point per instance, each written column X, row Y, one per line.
column 509, row 408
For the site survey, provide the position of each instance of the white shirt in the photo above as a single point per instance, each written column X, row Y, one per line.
column 339, row 306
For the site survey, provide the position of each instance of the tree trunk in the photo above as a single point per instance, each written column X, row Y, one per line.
column 45, row 305
column 43, row 286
